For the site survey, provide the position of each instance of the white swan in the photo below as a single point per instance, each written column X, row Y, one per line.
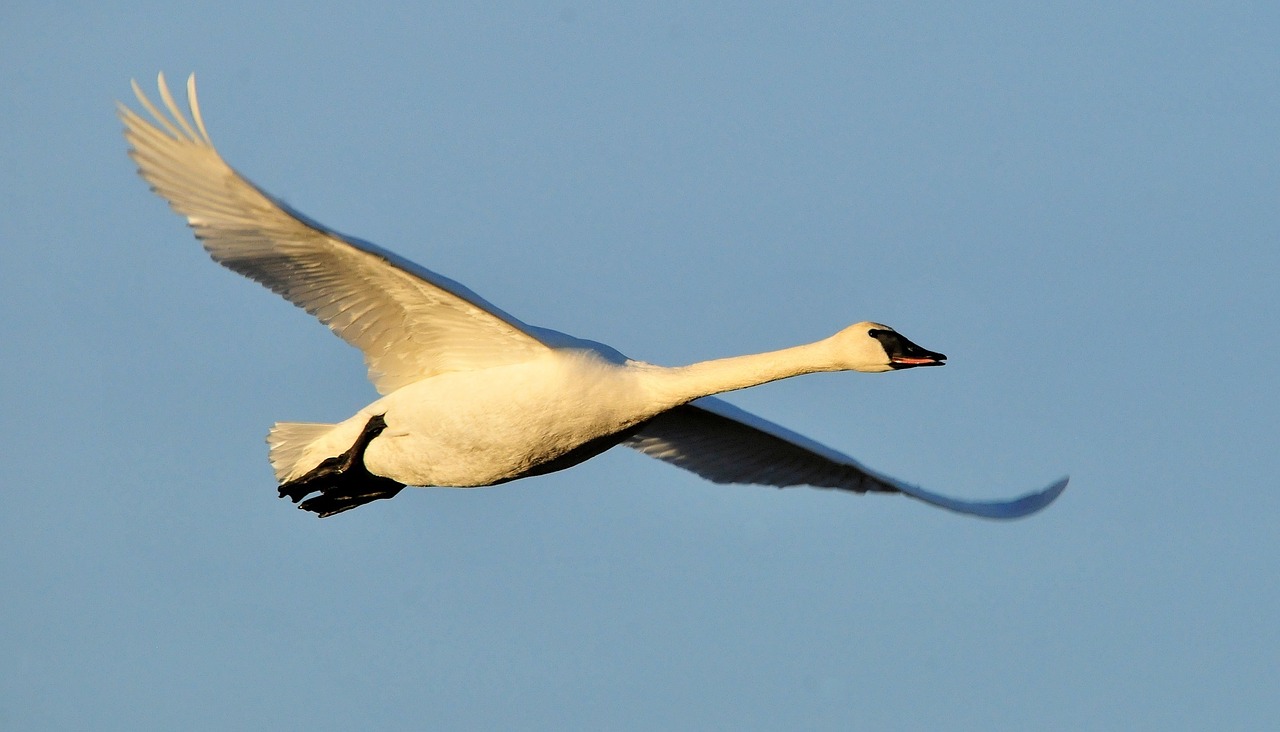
column 471, row 395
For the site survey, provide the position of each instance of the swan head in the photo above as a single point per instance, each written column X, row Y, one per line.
column 874, row 347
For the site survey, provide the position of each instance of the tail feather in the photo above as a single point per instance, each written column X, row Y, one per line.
column 288, row 441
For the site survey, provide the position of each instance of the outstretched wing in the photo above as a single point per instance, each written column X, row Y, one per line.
column 725, row 444
column 410, row 322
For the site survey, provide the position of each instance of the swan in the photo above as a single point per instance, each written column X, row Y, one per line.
column 471, row 396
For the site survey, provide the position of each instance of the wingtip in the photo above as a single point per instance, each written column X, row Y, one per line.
column 173, row 120
column 1015, row 508
column 1030, row 503
column 1038, row 501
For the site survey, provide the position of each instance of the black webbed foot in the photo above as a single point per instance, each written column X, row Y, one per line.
column 329, row 502
column 343, row 481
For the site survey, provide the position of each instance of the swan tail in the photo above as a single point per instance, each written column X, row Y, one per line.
column 288, row 442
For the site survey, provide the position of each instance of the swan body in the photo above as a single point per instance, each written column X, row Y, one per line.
column 477, row 428
column 472, row 396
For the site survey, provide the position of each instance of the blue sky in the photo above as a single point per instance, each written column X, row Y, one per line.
column 1079, row 205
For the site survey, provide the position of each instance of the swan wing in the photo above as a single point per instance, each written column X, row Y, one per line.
column 725, row 444
column 410, row 322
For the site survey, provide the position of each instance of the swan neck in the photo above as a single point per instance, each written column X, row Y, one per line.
column 686, row 383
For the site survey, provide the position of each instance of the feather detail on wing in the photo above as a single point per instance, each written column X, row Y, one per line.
column 725, row 444
column 410, row 323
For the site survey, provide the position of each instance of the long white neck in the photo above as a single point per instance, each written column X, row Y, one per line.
column 685, row 383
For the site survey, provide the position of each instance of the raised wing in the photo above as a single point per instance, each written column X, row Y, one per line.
column 410, row 322
column 725, row 444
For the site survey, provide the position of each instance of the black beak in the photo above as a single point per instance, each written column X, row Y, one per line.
column 903, row 354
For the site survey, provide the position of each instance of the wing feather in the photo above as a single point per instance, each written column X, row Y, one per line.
column 725, row 444
column 410, row 323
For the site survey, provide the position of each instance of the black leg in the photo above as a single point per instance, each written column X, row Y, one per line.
column 343, row 481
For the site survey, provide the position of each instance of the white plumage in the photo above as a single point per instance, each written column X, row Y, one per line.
column 472, row 396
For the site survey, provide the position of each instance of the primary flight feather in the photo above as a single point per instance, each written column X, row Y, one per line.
column 472, row 396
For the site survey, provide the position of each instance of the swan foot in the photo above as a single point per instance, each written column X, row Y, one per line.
column 343, row 482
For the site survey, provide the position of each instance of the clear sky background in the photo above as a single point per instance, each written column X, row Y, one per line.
column 1079, row 204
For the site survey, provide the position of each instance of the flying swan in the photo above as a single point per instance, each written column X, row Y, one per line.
column 471, row 396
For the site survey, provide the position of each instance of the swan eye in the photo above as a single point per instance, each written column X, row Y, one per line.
column 874, row 332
